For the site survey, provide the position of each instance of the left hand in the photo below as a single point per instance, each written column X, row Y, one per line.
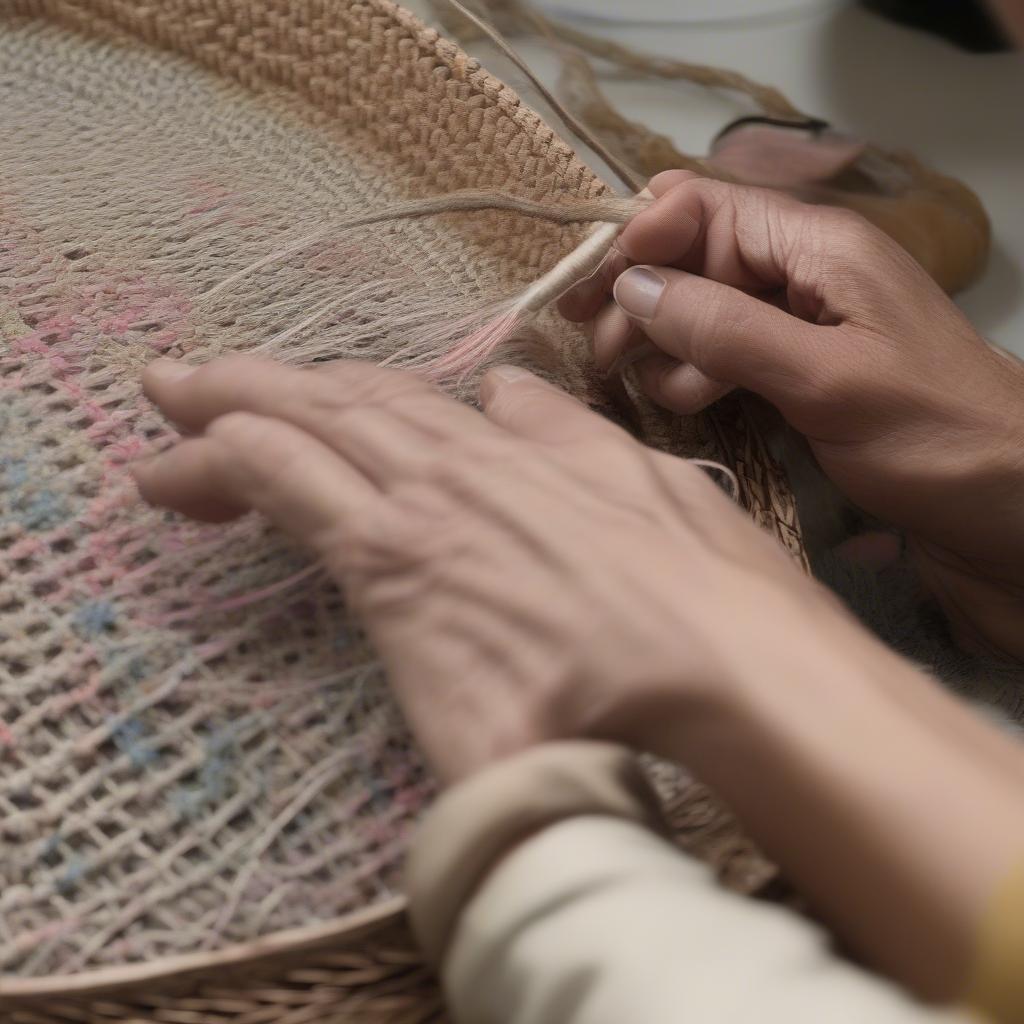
column 534, row 573
column 527, row 574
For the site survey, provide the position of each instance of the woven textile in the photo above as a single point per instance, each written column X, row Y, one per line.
column 196, row 748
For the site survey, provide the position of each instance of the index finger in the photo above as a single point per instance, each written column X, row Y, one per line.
column 737, row 235
column 385, row 422
column 732, row 234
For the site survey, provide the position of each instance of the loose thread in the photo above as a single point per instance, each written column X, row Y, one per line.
column 717, row 467
column 243, row 600
column 580, row 130
column 605, row 209
column 572, row 268
column 459, row 361
column 449, row 347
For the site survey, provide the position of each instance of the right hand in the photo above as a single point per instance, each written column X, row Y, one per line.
column 911, row 413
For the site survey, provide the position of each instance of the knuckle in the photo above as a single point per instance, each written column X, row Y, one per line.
column 239, row 430
column 852, row 236
column 848, row 226
column 414, row 534
column 665, row 180
column 750, row 204
column 841, row 242
column 453, row 470
column 717, row 191
column 372, row 384
column 343, row 392
column 227, row 370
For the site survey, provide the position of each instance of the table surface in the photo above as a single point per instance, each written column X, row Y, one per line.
column 962, row 113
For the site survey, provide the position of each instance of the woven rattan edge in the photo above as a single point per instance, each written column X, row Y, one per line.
column 337, row 934
column 561, row 156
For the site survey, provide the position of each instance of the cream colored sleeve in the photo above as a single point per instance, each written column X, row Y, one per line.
column 546, row 896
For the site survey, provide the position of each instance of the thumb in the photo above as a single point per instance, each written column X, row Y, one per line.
column 528, row 406
column 727, row 335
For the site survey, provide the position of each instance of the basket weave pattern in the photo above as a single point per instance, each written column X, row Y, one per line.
column 196, row 747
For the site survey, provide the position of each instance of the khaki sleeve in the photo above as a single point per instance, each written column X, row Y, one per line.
column 544, row 893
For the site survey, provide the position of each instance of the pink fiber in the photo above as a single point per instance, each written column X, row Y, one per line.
column 470, row 353
column 253, row 596
column 79, row 695
column 239, row 600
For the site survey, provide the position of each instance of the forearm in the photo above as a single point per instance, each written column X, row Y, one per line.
column 893, row 807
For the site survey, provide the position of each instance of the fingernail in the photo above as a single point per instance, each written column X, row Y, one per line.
column 637, row 292
column 508, row 373
column 169, row 370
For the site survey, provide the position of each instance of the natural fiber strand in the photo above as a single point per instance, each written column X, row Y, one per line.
column 448, row 345
column 578, row 128
column 516, row 16
column 197, row 745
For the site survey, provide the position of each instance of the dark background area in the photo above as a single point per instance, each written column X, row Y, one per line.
column 963, row 22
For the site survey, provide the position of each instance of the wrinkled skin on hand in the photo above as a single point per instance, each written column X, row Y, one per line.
column 531, row 572
column 527, row 573
column 913, row 415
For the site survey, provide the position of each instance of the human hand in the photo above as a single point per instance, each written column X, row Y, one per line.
column 526, row 574
column 534, row 573
column 908, row 410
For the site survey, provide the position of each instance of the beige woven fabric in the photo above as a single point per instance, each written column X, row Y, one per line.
column 196, row 749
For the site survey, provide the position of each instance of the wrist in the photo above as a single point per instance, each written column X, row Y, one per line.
column 839, row 773
column 976, row 516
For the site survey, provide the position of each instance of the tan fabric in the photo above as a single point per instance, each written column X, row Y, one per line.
column 998, row 984
column 597, row 919
column 475, row 824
